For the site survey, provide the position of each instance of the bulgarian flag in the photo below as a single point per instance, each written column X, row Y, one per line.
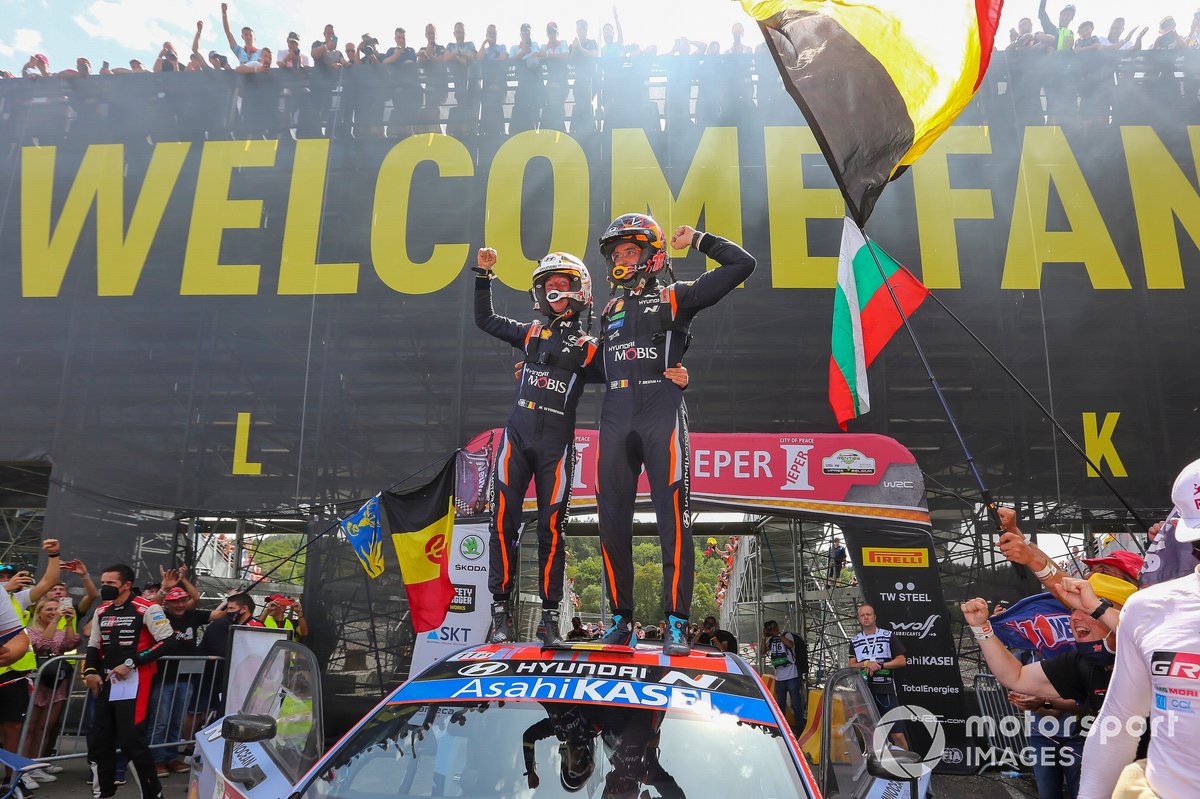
column 877, row 80
column 864, row 318
column 420, row 522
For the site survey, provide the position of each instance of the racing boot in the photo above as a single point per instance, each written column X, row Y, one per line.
column 502, row 623
column 547, row 631
column 621, row 632
column 675, row 641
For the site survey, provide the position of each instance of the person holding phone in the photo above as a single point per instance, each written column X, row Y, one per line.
column 285, row 613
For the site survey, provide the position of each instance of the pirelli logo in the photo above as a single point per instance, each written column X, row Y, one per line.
column 895, row 556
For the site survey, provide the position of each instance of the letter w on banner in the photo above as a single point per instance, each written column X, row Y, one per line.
column 419, row 521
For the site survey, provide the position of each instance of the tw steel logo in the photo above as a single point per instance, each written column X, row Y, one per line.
column 1182, row 665
column 796, row 473
column 903, row 557
column 547, row 383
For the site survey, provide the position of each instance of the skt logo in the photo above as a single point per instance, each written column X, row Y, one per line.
column 796, row 474
column 1182, row 665
column 435, row 548
column 547, row 383
column 455, row 634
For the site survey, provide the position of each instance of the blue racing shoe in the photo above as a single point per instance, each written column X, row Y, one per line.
column 675, row 640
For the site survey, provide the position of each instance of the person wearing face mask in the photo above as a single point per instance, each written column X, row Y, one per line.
column 128, row 635
column 239, row 609
column 1082, row 674
column 1157, row 674
column 538, row 444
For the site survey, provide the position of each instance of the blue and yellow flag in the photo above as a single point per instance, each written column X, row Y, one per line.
column 363, row 532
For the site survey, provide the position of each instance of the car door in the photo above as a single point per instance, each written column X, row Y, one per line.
column 286, row 691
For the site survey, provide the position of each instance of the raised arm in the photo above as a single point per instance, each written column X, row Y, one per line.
column 1008, row 670
column 196, row 38
column 486, row 319
column 53, row 574
column 225, row 24
column 735, row 266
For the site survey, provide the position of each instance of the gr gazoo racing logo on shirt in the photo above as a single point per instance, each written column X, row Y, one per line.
column 628, row 352
column 544, row 381
column 1179, row 665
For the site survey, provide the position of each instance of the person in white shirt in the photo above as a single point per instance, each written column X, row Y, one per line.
column 1157, row 674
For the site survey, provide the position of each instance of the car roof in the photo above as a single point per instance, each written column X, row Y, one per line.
column 590, row 673
column 644, row 654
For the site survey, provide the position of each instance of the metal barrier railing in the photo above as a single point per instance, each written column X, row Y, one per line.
column 184, row 689
column 1003, row 723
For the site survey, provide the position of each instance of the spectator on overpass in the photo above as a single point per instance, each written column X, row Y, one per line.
column 246, row 51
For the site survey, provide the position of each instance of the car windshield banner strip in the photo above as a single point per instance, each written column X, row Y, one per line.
column 725, row 683
column 590, row 691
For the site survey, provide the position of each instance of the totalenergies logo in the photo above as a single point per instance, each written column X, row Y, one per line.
column 435, row 549
column 895, row 556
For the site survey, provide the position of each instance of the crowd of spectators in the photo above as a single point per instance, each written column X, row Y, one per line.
column 1133, row 621
column 1055, row 71
column 46, row 618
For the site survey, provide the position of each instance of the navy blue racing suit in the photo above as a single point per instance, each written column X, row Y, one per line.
column 538, row 441
column 644, row 422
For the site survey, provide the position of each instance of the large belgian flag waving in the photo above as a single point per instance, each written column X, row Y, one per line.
column 421, row 523
column 877, row 80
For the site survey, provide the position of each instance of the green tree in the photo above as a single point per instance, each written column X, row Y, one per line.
column 590, row 599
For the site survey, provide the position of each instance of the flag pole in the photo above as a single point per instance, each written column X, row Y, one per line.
column 988, row 501
column 1041, row 407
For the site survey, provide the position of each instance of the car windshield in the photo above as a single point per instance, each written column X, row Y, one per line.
column 555, row 749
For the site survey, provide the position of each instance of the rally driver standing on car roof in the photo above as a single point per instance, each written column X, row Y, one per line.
column 539, row 438
column 644, row 421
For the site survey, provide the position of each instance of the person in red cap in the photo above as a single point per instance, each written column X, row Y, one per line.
column 173, row 689
column 1119, row 563
column 281, row 612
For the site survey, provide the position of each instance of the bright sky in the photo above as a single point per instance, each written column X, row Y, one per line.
column 118, row 30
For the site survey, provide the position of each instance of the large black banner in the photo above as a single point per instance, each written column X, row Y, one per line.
column 898, row 573
column 225, row 295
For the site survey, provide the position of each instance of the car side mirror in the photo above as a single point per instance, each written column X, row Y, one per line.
column 248, row 728
column 244, row 729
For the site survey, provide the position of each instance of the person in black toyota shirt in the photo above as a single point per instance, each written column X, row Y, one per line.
column 128, row 634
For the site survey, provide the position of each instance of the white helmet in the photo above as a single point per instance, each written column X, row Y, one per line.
column 579, row 297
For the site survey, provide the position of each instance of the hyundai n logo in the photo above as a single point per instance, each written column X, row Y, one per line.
column 483, row 669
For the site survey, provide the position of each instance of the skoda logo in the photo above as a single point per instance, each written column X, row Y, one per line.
column 471, row 547
column 483, row 669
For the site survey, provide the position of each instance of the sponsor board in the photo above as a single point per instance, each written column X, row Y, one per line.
column 895, row 557
column 464, row 599
column 847, row 461
column 588, row 690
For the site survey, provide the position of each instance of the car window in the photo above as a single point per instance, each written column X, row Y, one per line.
column 555, row 749
column 284, row 690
